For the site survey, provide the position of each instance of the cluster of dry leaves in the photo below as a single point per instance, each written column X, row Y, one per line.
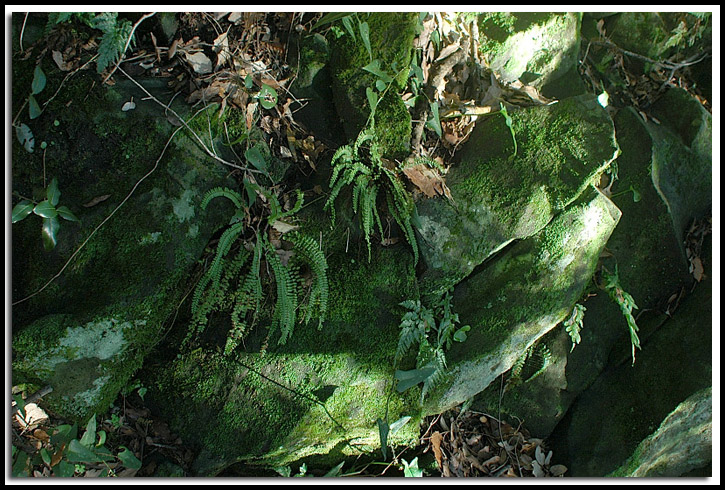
column 475, row 444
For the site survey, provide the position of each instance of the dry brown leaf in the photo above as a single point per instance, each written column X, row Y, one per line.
column 698, row 271
column 199, row 62
column 436, row 439
column 96, row 200
column 62, row 65
column 430, row 182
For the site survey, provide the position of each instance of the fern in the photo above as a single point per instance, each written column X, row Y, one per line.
column 531, row 364
column 308, row 251
column 369, row 178
column 285, row 309
column 626, row 305
column 574, row 324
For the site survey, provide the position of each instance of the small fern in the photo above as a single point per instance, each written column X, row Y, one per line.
column 370, row 178
column 531, row 364
column 574, row 324
column 626, row 305
column 233, row 281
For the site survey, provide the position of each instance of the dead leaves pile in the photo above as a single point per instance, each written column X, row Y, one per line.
column 474, row 444
column 696, row 234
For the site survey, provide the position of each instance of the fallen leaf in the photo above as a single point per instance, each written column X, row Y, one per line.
column 60, row 62
column 436, row 439
column 557, row 470
column 698, row 271
column 283, row 227
column 128, row 106
column 430, row 182
column 221, row 48
column 199, row 62
column 96, row 200
column 41, row 435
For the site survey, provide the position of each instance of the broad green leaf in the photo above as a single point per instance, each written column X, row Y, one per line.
column 406, row 379
column 128, row 459
column 334, row 472
column 22, row 210
column 33, row 107
column 48, row 232
column 248, row 82
column 52, row 193
column 255, row 156
column 45, row 209
column 45, row 456
column 267, row 97
column 78, row 453
column 21, row 466
column 383, row 430
column 380, row 85
column 89, row 436
column 365, row 35
column 63, row 434
column 66, row 213
column 329, row 18
column 25, row 137
column 375, row 68
column 38, row 80
column 372, row 98
column 63, row 469
column 347, row 22
column 460, row 335
column 251, row 192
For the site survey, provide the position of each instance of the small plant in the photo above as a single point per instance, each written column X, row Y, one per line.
column 371, row 178
column 531, row 364
column 574, row 324
column 47, row 209
column 241, row 273
column 509, row 123
column 626, row 305
column 434, row 330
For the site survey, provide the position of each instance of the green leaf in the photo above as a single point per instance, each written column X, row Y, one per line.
column 398, row 424
column 38, row 80
column 52, row 193
column 20, row 404
column 45, row 456
column 380, row 85
column 372, row 98
column 255, row 156
column 63, row 469
column 101, row 438
column 63, row 434
column 25, row 137
column 22, row 210
column 375, row 68
column 21, row 466
column 267, row 97
column 636, row 196
column 406, row 379
column 251, row 192
column 248, row 82
column 33, row 107
column 460, row 335
column 78, row 453
column 329, row 18
column 142, row 392
column 411, row 469
column 128, row 459
column 45, row 209
column 89, row 436
column 383, row 430
column 48, row 232
column 365, row 35
column 435, row 120
column 66, row 214
column 347, row 22
column 334, row 472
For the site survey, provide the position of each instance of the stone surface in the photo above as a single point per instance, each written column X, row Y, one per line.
column 561, row 148
column 533, row 47
column 682, row 443
column 88, row 332
column 550, row 270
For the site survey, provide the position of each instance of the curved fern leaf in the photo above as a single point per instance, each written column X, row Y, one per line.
column 233, row 196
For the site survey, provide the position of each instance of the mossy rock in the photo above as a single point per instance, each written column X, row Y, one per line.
column 536, row 48
column 391, row 42
column 521, row 295
column 316, row 395
column 499, row 198
column 681, row 444
column 130, row 274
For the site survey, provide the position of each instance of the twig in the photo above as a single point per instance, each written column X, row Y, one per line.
column 22, row 30
column 70, row 259
column 128, row 41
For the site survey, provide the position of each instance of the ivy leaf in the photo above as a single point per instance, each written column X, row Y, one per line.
column 53, row 193
column 25, row 137
column 383, row 430
column 66, row 213
column 375, row 68
column 50, row 228
column 372, row 98
column 38, row 80
column 22, row 210
column 411, row 469
column 78, row 453
column 347, row 22
column 435, row 121
column 33, row 107
column 128, row 459
column 89, row 437
column 45, row 209
column 63, row 469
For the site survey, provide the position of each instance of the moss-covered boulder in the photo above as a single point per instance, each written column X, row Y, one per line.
column 87, row 332
column 504, row 191
column 522, row 295
column 536, row 48
column 318, row 396
column 644, row 231
column 681, row 445
column 391, row 37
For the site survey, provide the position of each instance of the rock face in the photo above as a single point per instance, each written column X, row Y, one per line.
column 550, row 270
column 88, row 332
column 559, row 150
column 682, row 443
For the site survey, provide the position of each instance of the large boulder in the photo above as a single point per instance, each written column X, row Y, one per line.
column 561, row 148
column 89, row 330
column 524, row 293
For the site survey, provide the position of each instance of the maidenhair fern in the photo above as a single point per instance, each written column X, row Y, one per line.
column 371, row 177
column 234, row 282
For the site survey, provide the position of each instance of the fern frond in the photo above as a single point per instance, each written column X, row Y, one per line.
column 290, row 212
column 365, row 135
column 309, row 251
column 439, row 363
column 286, row 306
column 233, row 196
